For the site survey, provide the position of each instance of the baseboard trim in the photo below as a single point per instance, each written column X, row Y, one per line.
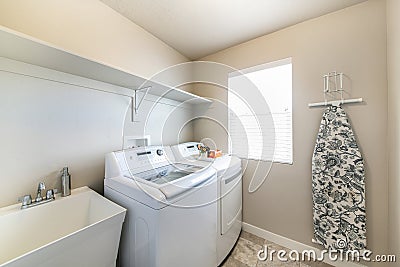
column 292, row 244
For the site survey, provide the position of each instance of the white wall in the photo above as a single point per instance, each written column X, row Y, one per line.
column 46, row 125
column 393, row 57
column 352, row 41
column 168, row 122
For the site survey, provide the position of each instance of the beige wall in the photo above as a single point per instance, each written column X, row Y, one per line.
column 393, row 56
column 91, row 29
column 352, row 41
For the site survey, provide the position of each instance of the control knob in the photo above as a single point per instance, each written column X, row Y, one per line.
column 160, row 152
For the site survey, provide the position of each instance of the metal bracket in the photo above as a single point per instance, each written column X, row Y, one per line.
column 137, row 103
column 333, row 77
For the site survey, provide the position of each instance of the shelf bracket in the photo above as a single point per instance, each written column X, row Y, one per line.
column 136, row 103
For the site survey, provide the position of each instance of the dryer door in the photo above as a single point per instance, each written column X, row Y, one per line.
column 231, row 200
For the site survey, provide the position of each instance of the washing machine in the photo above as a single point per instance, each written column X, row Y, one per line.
column 171, row 218
column 229, row 204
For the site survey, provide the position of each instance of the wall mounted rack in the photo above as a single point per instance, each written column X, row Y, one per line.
column 333, row 87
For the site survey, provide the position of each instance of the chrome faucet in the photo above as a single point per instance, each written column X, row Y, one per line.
column 27, row 199
column 41, row 186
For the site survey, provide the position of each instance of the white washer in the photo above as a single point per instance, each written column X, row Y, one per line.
column 171, row 218
column 229, row 173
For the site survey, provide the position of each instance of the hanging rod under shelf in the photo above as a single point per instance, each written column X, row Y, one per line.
column 336, row 102
column 71, row 83
column 24, row 48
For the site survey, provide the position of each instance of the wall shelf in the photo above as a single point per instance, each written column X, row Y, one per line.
column 21, row 47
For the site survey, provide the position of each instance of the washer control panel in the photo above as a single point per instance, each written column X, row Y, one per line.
column 188, row 149
column 143, row 158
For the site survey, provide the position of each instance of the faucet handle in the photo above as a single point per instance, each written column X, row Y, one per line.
column 26, row 200
column 50, row 193
column 41, row 186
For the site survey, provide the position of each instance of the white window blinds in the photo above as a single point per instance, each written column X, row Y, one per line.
column 262, row 131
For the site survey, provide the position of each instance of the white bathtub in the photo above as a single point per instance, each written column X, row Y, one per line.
column 82, row 229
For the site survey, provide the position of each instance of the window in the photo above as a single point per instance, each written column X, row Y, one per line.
column 260, row 111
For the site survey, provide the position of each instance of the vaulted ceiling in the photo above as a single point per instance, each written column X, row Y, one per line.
column 197, row 28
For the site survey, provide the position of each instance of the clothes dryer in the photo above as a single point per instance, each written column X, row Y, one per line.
column 229, row 204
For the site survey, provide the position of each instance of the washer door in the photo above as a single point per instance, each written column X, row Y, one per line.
column 231, row 200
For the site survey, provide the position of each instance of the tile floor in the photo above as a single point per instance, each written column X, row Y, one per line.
column 244, row 254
